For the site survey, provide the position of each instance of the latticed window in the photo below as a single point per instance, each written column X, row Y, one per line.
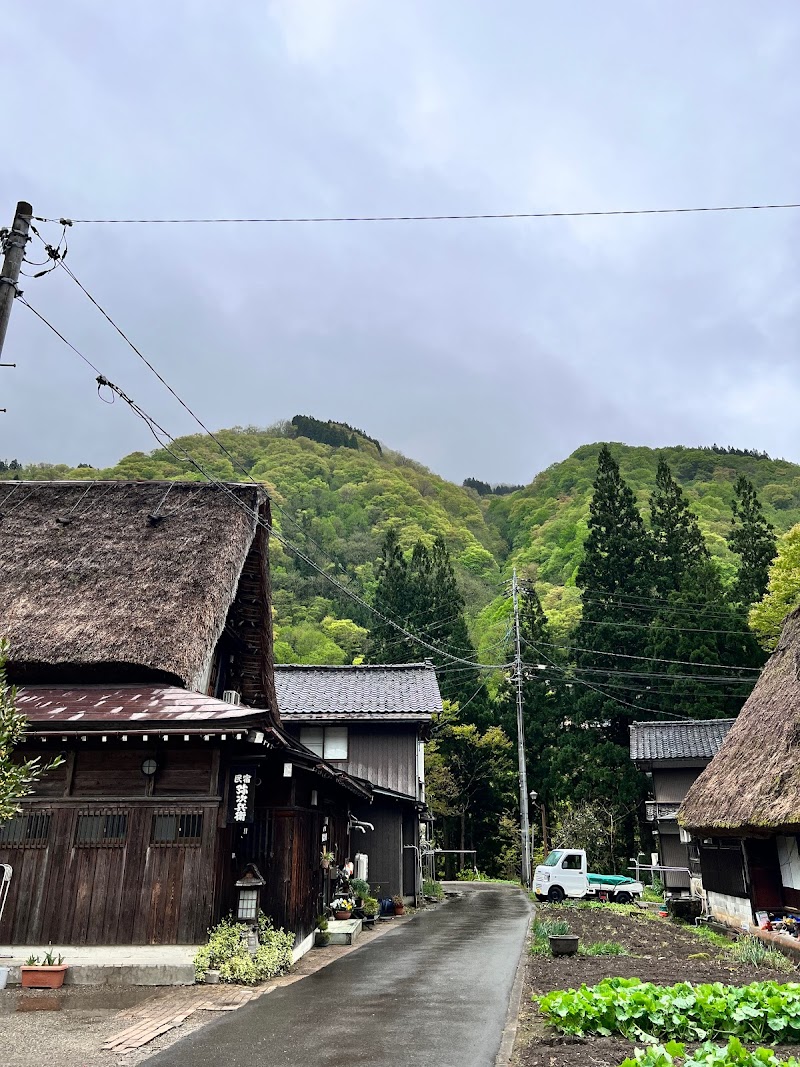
column 177, row 828
column 102, row 829
column 26, row 831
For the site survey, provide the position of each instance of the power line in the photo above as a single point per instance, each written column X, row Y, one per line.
column 426, row 218
column 658, row 626
column 649, row 659
column 155, row 429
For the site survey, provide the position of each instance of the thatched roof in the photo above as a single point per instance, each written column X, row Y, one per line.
column 752, row 785
column 131, row 580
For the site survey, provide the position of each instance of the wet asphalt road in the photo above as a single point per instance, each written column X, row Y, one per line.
column 434, row 991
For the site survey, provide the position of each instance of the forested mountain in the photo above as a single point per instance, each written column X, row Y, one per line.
column 638, row 571
column 337, row 491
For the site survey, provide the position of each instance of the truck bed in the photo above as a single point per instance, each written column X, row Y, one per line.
column 608, row 879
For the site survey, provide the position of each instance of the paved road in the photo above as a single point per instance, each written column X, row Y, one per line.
column 433, row 991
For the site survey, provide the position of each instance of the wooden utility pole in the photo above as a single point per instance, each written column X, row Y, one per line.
column 13, row 244
column 525, row 830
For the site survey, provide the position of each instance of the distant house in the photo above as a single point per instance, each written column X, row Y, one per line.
column 138, row 616
column 674, row 754
column 744, row 809
column 371, row 721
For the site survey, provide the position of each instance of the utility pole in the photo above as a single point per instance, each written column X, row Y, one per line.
column 13, row 246
column 525, row 832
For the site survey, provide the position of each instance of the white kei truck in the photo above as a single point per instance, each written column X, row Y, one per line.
column 564, row 874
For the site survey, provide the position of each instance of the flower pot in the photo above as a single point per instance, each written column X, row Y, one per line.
column 322, row 938
column 326, row 865
column 212, row 977
column 342, row 914
column 43, row 977
column 399, row 909
column 564, row 944
column 3, row 976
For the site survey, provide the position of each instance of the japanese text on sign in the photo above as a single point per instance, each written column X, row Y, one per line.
column 241, row 786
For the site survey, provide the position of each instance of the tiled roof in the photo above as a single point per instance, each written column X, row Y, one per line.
column 392, row 693
column 695, row 740
column 131, row 704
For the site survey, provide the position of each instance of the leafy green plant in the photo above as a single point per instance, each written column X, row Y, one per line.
column 227, row 952
column 603, row 948
column 359, row 887
column 32, row 961
column 753, row 952
column 734, row 1054
column 431, row 888
column 370, row 906
column 51, row 960
column 761, row 1011
column 322, row 923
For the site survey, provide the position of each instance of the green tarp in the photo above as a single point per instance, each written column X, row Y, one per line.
column 608, row 879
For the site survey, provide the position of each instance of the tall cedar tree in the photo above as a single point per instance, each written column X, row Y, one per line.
column 752, row 538
column 616, row 576
column 677, row 541
column 698, row 626
column 421, row 593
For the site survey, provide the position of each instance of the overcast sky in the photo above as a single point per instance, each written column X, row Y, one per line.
column 489, row 349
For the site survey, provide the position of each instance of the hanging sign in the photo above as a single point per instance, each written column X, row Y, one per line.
column 242, row 795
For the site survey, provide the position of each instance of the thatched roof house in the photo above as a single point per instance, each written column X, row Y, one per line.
column 752, row 786
column 119, row 581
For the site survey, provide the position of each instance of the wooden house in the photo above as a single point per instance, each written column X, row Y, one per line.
column 673, row 754
column 743, row 812
column 138, row 617
column 371, row 721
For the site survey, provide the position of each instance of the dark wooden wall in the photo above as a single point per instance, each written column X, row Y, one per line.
column 133, row 892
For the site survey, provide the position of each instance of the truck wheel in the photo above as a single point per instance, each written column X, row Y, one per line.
column 623, row 898
column 556, row 894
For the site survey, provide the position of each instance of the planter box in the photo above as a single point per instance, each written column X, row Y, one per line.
column 43, row 977
column 564, row 944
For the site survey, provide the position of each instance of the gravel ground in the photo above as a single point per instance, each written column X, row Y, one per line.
column 68, row 1026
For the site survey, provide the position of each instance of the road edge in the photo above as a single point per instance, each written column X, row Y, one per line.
column 504, row 1053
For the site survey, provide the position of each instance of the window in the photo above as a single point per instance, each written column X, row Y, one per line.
column 552, row 858
column 571, row 863
column 101, row 830
column 26, row 831
column 328, row 742
column 171, row 828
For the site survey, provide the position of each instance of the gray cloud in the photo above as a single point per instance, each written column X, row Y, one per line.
column 486, row 348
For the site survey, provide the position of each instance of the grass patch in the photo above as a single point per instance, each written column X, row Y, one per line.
column 603, row 948
column 430, row 888
column 753, row 952
column 542, row 930
column 705, row 933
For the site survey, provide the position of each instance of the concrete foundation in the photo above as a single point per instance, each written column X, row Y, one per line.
column 145, row 965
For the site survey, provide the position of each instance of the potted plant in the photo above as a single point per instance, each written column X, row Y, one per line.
column 370, row 907
column 399, row 905
column 341, row 907
column 562, row 941
column 47, row 973
column 326, row 859
column 321, row 936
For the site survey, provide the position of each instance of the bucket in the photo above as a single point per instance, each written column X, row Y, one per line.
column 4, row 971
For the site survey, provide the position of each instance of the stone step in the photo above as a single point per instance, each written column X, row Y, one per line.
column 344, row 931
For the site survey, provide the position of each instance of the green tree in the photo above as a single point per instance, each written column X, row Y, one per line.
column 17, row 777
column 469, row 775
column 393, row 599
column 677, row 542
column 783, row 591
column 752, row 538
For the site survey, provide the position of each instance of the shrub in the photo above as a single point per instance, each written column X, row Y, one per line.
column 371, row 906
column 360, row 887
column 227, row 952
column 430, row 888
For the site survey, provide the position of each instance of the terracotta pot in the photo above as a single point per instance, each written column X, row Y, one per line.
column 400, row 909
column 43, row 977
column 342, row 914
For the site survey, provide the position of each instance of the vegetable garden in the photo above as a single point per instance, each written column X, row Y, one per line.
column 668, row 997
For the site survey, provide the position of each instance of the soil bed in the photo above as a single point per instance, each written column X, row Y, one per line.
column 660, row 951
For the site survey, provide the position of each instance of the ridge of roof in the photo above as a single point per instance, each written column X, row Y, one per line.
column 352, row 667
